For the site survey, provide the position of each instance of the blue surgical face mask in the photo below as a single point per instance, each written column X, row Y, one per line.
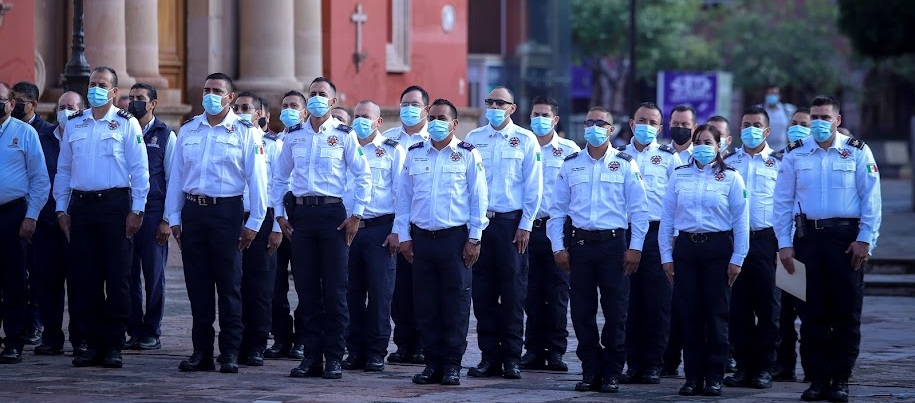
column 495, row 116
column 246, row 116
column 290, row 117
column 439, row 129
column 542, row 125
column 97, row 96
column 645, row 134
column 212, row 104
column 704, row 154
column 821, row 130
column 596, row 136
column 752, row 137
column 411, row 115
column 771, row 99
column 318, row 106
column 797, row 132
column 362, row 127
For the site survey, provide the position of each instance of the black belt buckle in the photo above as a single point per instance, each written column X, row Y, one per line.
column 698, row 238
column 490, row 214
column 540, row 222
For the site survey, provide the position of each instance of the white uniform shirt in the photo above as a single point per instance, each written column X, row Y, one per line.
column 599, row 194
column 759, row 173
column 385, row 159
column 23, row 172
column 656, row 163
column 514, row 172
column 102, row 154
column 399, row 134
column 554, row 154
column 686, row 156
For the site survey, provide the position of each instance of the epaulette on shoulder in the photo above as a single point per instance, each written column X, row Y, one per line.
column 778, row 154
column 272, row 136
column 728, row 154
column 730, row 168
column 465, row 145
column 416, row 146
column 667, row 148
column 624, row 156
column 621, row 148
column 124, row 114
column 682, row 166
column 392, row 143
column 245, row 123
column 855, row 143
column 344, row 128
column 77, row 114
column 572, row 155
column 793, row 145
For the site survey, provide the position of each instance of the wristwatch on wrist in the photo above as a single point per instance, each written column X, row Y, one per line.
column 61, row 213
column 474, row 241
column 139, row 213
column 359, row 216
column 557, row 252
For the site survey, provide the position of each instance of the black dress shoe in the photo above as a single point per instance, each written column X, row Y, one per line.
column 740, row 379
column 277, row 350
column 485, row 369
column 588, row 383
column 554, row 362
column 782, row 374
column 308, row 368
column 79, row 349
column 712, row 389
column 401, row 356
column 532, row 361
column 197, row 362
column 31, row 336
column 630, row 377
column 332, row 370
column 691, row 388
column 762, row 380
column 229, row 363
column 611, row 385
column 89, row 358
column 297, row 351
column 10, row 355
column 47, row 349
column 452, row 377
column 113, row 359
column 428, row 376
column 418, row 358
column 651, row 377
column 132, row 343
column 353, row 362
column 838, row 392
column 374, row 364
column 254, row 359
column 512, row 370
column 670, row 372
column 816, row 392
column 149, row 343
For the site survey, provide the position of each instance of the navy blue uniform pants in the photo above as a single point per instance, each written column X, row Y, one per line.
column 371, row 286
column 499, row 288
column 597, row 267
column 149, row 262
column 13, row 274
column 285, row 329
column 406, row 331
column 702, row 296
column 441, row 292
column 547, row 302
column 831, row 321
column 53, row 270
column 755, row 306
column 648, row 321
column 258, row 276
column 791, row 310
column 212, row 271
column 319, row 267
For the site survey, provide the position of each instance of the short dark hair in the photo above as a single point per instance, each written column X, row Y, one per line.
column 322, row 79
column 27, row 90
column 256, row 100
column 114, row 75
column 719, row 118
column 451, row 108
column 264, row 105
column 222, row 76
column 422, row 92
column 716, row 134
column 540, row 100
column 502, row 87
column 757, row 110
column 802, row 109
column 295, row 93
column 685, row 108
column 150, row 90
column 602, row 109
column 823, row 100
column 649, row 105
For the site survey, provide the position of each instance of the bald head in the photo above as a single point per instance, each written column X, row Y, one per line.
column 367, row 109
column 70, row 100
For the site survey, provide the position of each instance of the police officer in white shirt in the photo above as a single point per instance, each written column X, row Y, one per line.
column 547, row 303
column 219, row 154
column 102, row 182
column 755, row 298
column 514, row 175
column 441, row 213
column 598, row 194
column 834, row 181
column 316, row 156
column 648, row 320
column 706, row 202
column 414, row 107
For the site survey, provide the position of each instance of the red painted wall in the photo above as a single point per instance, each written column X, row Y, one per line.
column 17, row 42
column 438, row 60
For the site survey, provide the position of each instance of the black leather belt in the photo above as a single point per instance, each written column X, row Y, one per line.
column 511, row 215
column 210, row 201
column 377, row 221
column 12, row 203
column 832, row 223
column 417, row 231
column 579, row 234
column 317, row 200
column 700, row 237
column 99, row 195
column 763, row 233
column 541, row 222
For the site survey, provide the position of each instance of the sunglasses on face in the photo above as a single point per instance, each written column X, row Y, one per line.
column 498, row 102
column 598, row 123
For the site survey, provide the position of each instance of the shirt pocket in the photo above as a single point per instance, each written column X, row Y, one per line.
column 111, row 144
column 805, row 177
column 227, row 148
column 380, row 169
column 843, row 174
column 656, row 176
column 765, row 182
column 331, row 159
column 79, row 143
column 511, row 162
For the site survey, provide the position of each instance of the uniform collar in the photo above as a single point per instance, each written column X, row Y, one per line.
column 610, row 151
column 109, row 115
column 764, row 153
column 838, row 142
column 554, row 142
column 422, row 133
column 149, row 125
column 453, row 145
column 653, row 144
column 377, row 141
column 505, row 132
column 227, row 122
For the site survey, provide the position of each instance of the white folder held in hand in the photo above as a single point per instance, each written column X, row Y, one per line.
column 795, row 284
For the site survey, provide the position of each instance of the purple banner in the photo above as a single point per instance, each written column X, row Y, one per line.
column 695, row 89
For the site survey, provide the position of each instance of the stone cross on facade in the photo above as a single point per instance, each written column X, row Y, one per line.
column 359, row 18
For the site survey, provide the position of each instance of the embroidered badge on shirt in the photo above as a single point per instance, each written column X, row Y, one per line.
column 455, row 156
column 113, row 125
column 332, row 141
column 153, row 139
column 770, row 162
column 844, row 154
column 719, row 176
column 514, row 141
column 379, row 152
column 231, row 129
column 656, row 159
column 15, row 143
column 614, row 166
column 557, row 152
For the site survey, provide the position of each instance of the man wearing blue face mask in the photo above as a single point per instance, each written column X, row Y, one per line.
column 514, row 175
column 753, row 326
column 340, row 113
column 414, row 101
column 780, row 114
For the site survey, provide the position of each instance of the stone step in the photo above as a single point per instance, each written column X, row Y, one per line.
column 898, row 285
column 891, row 265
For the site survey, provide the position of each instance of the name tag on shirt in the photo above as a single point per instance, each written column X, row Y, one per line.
column 335, row 153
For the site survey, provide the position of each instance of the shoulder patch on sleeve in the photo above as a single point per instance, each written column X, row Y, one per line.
column 855, row 143
column 624, row 156
column 667, row 148
column 391, row 143
column 621, row 148
column 465, row 145
column 77, row 114
column 416, row 146
column 572, row 155
column 344, row 128
column 793, row 145
column 682, row 166
column 124, row 114
column 245, row 123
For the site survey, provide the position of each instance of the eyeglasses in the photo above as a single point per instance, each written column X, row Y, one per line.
column 598, row 123
column 413, row 104
column 500, row 103
column 244, row 108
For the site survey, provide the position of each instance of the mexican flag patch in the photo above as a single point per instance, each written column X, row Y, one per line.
column 480, row 166
column 361, row 154
column 140, row 140
column 638, row 176
column 871, row 168
column 538, row 156
column 259, row 149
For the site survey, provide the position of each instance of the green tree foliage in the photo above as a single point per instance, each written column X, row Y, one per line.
column 879, row 29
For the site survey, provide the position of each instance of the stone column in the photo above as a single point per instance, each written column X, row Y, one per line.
column 267, row 58
column 142, row 17
column 308, row 46
column 106, row 36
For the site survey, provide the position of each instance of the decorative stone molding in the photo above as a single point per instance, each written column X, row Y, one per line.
column 398, row 52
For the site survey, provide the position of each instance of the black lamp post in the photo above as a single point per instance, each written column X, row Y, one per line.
column 77, row 70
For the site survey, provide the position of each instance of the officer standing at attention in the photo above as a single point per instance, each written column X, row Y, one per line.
column 218, row 155
column 598, row 194
column 372, row 257
column 102, row 181
column 547, row 302
column 514, row 177
column 150, row 246
column 755, row 298
column 721, row 123
column 24, row 189
column 706, row 202
column 340, row 113
column 317, row 155
column 648, row 319
column 414, row 101
column 258, row 261
column 442, row 200
column 835, row 181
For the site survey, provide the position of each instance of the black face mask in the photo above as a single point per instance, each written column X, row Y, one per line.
column 137, row 109
column 262, row 122
column 680, row 134
column 3, row 110
column 18, row 111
